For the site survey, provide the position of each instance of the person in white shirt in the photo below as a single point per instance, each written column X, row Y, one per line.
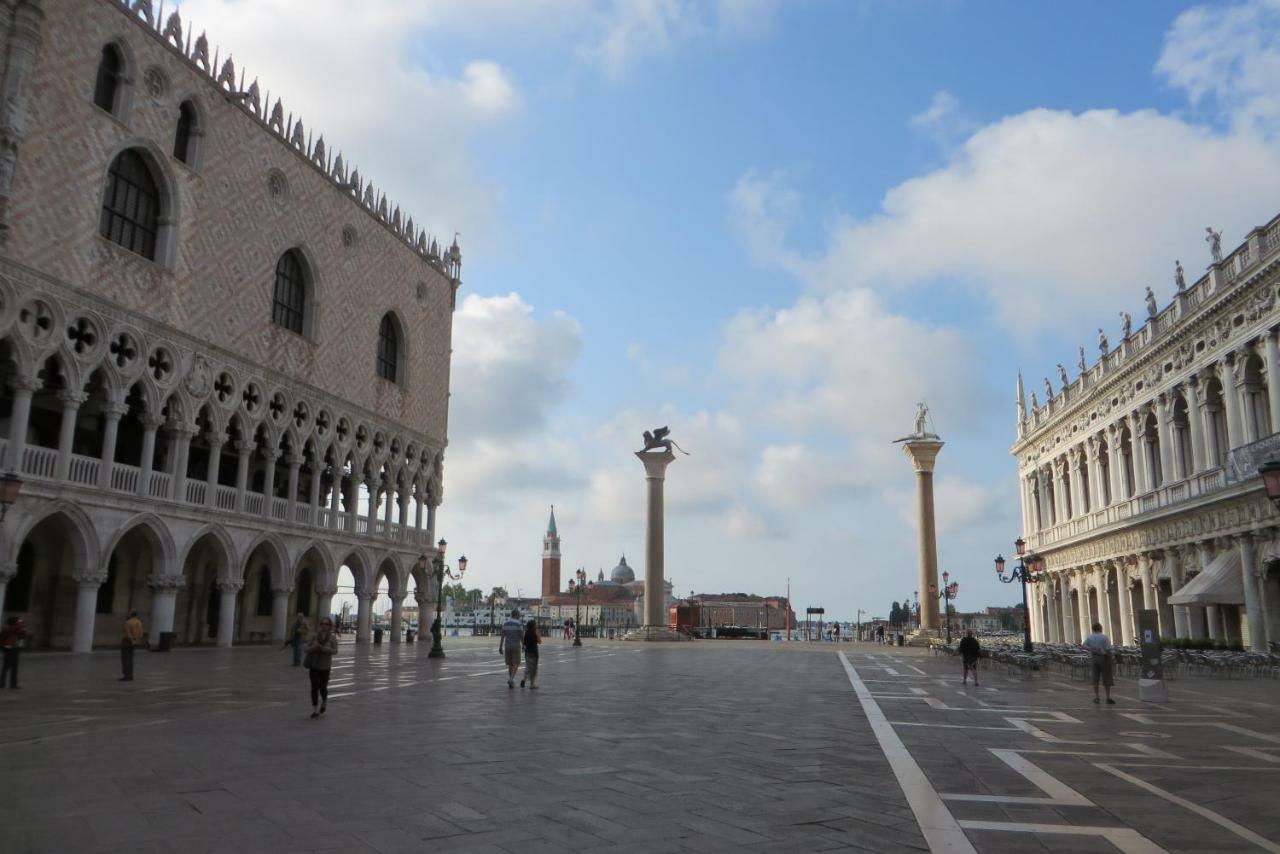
column 509, row 645
column 1099, row 646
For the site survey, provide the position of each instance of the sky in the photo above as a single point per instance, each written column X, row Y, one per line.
column 776, row 225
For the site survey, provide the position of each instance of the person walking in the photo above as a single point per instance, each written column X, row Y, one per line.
column 132, row 637
column 319, row 663
column 1100, row 648
column 509, row 645
column 11, row 638
column 970, row 652
column 298, row 638
column 530, row 643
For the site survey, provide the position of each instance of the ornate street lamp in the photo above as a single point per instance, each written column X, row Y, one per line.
column 1029, row 570
column 949, row 591
column 1270, row 473
column 10, row 486
column 577, row 590
column 441, row 570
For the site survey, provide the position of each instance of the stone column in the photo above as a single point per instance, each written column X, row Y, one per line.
column 1169, row 472
column 227, row 591
column 389, row 504
column 245, row 450
column 112, row 412
column 335, row 496
column 1115, row 464
column 1252, row 593
column 372, row 519
column 269, row 456
column 1082, row 599
column 397, row 614
column 426, row 609
column 364, row 617
column 150, row 424
column 1053, row 635
column 291, row 507
column 214, row 438
column 1214, row 620
column 19, row 419
column 1057, row 471
column 1096, row 489
column 1139, row 448
column 1195, row 419
column 325, row 606
column 655, row 472
column 88, row 582
column 404, row 520
column 1145, row 579
column 184, row 432
column 313, row 502
column 1272, row 358
column 431, row 522
column 1124, row 586
column 280, row 613
column 164, row 595
column 417, row 514
column 71, row 401
column 1069, row 623
column 1104, row 605
column 1231, row 398
column 1196, row 615
column 1181, row 623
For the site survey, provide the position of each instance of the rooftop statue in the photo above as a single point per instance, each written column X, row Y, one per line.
column 658, row 439
column 1103, row 344
column 1152, row 308
column 1035, row 404
column 1084, row 365
column 1214, row 239
column 1062, row 375
column 1126, row 323
column 1178, row 278
column 1048, row 390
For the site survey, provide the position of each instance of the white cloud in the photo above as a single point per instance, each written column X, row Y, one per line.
column 510, row 368
column 942, row 121
column 762, row 211
column 628, row 30
column 487, row 88
column 1232, row 55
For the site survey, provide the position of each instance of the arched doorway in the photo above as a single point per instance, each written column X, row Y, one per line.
column 43, row 593
column 199, row 601
column 261, row 619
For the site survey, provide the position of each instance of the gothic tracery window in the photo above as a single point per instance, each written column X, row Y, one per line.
column 289, row 299
column 183, row 142
column 131, row 206
column 106, row 89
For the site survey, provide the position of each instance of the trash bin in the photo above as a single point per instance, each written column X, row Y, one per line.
column 165, row 642
column 408, row 636
column 377, row 635
column 902, row 639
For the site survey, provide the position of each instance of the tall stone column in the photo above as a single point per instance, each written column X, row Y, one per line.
column 1104, row 609
column 269, row 457
column 214, row 438
column 1123, row 588
column 280, row 613
column 245, row 450
column 655, row 472
column 1069, row 624
column 164, row 596
column 1195, row 421
column 150, row 424
column 1138, row 447
column 71, row 401
column 924, row 454
column 1272, row 358
column 19, row 420
column 1164, row 412
column 1252, row 594
column 397, row 614
column 1082, row 598
column 1231, row 399
column 324, row 608
column 1181, row 621
column 1052, row 634
column 1147, row 581
column 86, row 608
column 227, row 591
column 112, row 412
column 335, row 496
column 291, row 507
column 364, row 615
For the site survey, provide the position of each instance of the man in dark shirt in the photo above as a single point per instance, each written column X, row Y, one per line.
column 509, row 645
column 970, row 652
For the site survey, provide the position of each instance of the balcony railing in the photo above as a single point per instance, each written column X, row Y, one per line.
column 1167, row 495
column 42, row 463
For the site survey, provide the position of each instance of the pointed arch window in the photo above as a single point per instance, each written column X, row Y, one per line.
column 184, row 134
column 289, row 299
column 131, row 206
column 388, row 362
column 106, row 89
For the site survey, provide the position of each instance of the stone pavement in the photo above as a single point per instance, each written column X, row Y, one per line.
column 709, row 746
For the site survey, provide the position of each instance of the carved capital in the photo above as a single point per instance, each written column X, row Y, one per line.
column 89, row 578
column 282, row 591
column 152, row 422
column 7, row 571
column 72, row 399
column 295, row 460
column 114, row 410
column 245, row 448
column 215, row 438
column 325, row 591
column 165, row 582
column 23, row 382
column 229, row 586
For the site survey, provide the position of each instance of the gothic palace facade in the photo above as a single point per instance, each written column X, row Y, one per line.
column 225, row 354
column 1139, row 478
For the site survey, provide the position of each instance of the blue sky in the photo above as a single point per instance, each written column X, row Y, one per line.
column 775, row 226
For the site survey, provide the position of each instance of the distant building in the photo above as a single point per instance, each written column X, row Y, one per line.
column 741, row 609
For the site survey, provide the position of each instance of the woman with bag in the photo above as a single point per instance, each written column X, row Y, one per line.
column 319, row 662
column 530, row 643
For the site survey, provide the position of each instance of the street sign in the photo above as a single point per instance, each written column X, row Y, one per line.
column 1151, row 682
column 815, row 610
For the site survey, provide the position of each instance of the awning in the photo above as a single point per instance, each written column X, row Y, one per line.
column 1220, row 584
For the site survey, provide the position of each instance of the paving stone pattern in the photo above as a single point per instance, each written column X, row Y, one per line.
column 646, row 748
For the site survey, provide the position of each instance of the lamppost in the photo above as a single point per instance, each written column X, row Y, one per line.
column 915, row 607
column 441, row 570
column 493, row 595
column 10, row 486
column 949, row 591
column 1028, row 571
column 858, row 636
column 577, row 610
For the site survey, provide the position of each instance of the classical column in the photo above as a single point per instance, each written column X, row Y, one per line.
column 325, row 608
column 1068, row 616
column 1075, row 461
column 364, row 612
column 227, row 591
column 335, row 496
column 1124, row 585
column 269, row 456
column 417, row 510
column 88, row 581
column 389, row 504
column 1115, row 465
column 1061, row 513
column 280, row 613
column 1138, row 447
column 214, row 438
column 1096, row 489
column 112, row 412
column 1145, row 578
column 1231, row 398
column 291, row 505
column 1195, row 419
column 164, row 595
column 425, row 607
column 313, row 502
column 150, row 424
column 431, row 522
column 404, row 517
column 20, row 416
column 245, row 450
column 1272, row 358
column 1053, row 633
column 923, row 451
column 1181, row 623
column 372, row 519
column 1044, row 516
column 1082, row 611
column 182, row 453
column 71, row 401
column 1168, row 470
column 1104, row 605
column 1214, row 620
column 655, row 470
column 1252, row 593
column 397, row 613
